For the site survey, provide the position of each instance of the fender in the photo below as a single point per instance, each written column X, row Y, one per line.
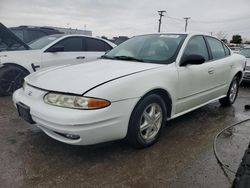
column 15, row 65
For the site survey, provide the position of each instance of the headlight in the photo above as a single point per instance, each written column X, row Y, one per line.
column 74, row 101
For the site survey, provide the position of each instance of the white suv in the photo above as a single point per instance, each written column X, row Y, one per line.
column 53, row 50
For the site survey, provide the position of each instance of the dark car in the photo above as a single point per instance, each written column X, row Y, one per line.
column 30, row 33
column 9, row 41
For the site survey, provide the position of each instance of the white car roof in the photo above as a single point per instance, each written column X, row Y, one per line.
column 178, row 33
column 80, row 35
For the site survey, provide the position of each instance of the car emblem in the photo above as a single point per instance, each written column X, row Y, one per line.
column 30, row 93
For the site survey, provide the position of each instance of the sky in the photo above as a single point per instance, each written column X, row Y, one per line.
column 131, row 17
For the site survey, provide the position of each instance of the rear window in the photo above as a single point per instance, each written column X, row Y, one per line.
column 227, row 51
column 96, row 45
column 217, row 48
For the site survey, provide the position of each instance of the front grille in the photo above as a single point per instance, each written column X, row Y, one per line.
column 248, row 68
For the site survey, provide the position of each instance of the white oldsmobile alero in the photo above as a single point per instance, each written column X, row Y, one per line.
column 132, row 91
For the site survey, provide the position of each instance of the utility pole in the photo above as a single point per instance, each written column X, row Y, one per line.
column 186, row 24
column 160, row 14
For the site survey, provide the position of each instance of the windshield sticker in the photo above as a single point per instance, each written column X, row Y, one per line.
column 170, row 36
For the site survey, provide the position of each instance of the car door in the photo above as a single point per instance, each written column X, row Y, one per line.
column 222, row 64
column 195, row 81
column 95, row 48
column 70, row 51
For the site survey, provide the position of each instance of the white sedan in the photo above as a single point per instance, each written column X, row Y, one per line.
column 52, row 50
column 132, row 91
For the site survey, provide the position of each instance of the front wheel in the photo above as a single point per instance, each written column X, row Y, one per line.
column 11, row 79
column 232, row 93
column 146, row 122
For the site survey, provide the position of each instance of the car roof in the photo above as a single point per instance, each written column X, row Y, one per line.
column 177, row 33
column 36, row 28
column 81, row 35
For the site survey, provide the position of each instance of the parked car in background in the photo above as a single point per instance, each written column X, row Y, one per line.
column 132, row 90
column 120, row 39
column 246, row 53
column 235, row 49
column 52, row 50
column 9, row 41
column 22, row 34
column 31, row 33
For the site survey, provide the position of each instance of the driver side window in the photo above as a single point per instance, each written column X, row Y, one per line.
column 71, row 44
column 197, row 46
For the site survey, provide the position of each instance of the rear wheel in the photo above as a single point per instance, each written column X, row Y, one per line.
column 11, row 79
column 232, row 93
column 146, row 122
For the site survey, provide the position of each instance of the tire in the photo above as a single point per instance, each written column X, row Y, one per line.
column 232, row 93
column 146, row 122
column 11, row 79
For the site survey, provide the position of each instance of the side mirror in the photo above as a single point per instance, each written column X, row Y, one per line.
column 192, row 59
column 56, row 49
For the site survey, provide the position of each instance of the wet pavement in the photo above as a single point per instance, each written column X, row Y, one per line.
column 182, row 158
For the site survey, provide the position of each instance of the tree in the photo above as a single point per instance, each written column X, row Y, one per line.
column 236, row 39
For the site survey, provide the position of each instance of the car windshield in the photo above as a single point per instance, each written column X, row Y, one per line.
column 42, row 42
column 246, row 52
column 156, row 48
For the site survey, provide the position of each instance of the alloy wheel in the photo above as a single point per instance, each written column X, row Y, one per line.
column 150, row 122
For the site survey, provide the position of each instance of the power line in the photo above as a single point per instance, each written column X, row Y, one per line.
column 221, row 21
column 161, row 15
column 212, row 21
column 177, row 19
column 177, row 22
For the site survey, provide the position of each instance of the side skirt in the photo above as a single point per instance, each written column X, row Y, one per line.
column 199, row 106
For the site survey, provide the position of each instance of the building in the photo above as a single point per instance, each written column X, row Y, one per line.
column 72, row 31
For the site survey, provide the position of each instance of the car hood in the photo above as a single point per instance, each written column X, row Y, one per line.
column 80, row 78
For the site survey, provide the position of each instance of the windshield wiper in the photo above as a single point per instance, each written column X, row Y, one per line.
column 128, row 58
column 106, row 57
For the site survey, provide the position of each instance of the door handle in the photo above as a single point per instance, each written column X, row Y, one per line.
column 80, row 57
column 34, row 67
column 211, row 71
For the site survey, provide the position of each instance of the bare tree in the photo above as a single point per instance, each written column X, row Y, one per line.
column 221, row 35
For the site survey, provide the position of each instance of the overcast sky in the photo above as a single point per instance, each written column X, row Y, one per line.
column 130, row 17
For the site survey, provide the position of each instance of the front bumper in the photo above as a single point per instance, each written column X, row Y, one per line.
column 92, row 126
column 246, row 76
